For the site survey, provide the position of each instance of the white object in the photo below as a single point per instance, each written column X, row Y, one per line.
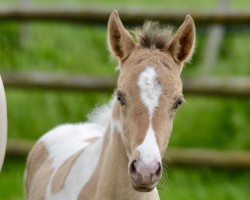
column 3, row 123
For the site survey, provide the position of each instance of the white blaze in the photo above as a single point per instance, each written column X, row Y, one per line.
column 148, row 149
column 150, row 91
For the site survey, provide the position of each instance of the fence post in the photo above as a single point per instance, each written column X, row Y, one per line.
column 25, row 31
column 214, row 39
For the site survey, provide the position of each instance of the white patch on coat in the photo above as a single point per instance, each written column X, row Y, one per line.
column 150, row 89
column 63, row 142
column 79, row 174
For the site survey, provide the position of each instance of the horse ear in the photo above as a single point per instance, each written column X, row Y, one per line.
column 183, row 43
column 120, row 42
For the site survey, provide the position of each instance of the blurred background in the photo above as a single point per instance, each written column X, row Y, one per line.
column 71, row 44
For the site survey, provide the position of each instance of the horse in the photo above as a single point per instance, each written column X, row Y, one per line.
column 117, row 153
column 3, row 123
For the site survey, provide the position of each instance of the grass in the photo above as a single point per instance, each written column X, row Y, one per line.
column 206, row 184
column 11, row 180
column 67, row 48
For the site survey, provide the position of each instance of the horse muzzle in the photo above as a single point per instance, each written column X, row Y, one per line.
column 144, row 177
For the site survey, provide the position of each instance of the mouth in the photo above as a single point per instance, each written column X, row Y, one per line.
column 143, row 188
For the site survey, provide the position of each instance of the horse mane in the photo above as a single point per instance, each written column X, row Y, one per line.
column 102, row 115
column 154, row 36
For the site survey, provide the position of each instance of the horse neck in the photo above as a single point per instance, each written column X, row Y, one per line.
column 114, row 182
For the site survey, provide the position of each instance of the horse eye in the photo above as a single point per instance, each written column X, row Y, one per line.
column 120, row 97
column 178, row 103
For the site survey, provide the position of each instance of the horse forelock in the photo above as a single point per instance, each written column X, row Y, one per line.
column 152, row 35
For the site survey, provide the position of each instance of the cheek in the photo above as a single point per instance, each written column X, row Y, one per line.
column 126, row 134
column 134, row 129
column 168, row 134
column 126, row 137
column 132, row 136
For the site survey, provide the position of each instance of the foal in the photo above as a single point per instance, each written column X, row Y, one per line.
column 117, row 155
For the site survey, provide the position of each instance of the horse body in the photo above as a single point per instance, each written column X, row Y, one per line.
column 117, row 155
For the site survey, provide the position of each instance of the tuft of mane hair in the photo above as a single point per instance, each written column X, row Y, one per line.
column 102, row 115
column 154, row 36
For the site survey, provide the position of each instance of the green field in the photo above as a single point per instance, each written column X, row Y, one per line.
column 205, row 122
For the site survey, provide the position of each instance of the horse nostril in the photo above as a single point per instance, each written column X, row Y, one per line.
column 132, row 168
column 158, row 171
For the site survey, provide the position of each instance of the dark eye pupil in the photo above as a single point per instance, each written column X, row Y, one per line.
column 120, row 98
column 177, row 103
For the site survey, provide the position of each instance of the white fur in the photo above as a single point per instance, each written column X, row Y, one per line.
column 66, row 140
column 116, row 124
column 150, row 89
column 84, row 166
column 102, row 115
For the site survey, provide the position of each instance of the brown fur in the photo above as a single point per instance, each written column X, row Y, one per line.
column 62, row 173
column 182, row 46
column 38, row 168
column 121, row 42
column 92, row 139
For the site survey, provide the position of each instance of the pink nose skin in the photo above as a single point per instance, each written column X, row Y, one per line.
column 144, row 177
